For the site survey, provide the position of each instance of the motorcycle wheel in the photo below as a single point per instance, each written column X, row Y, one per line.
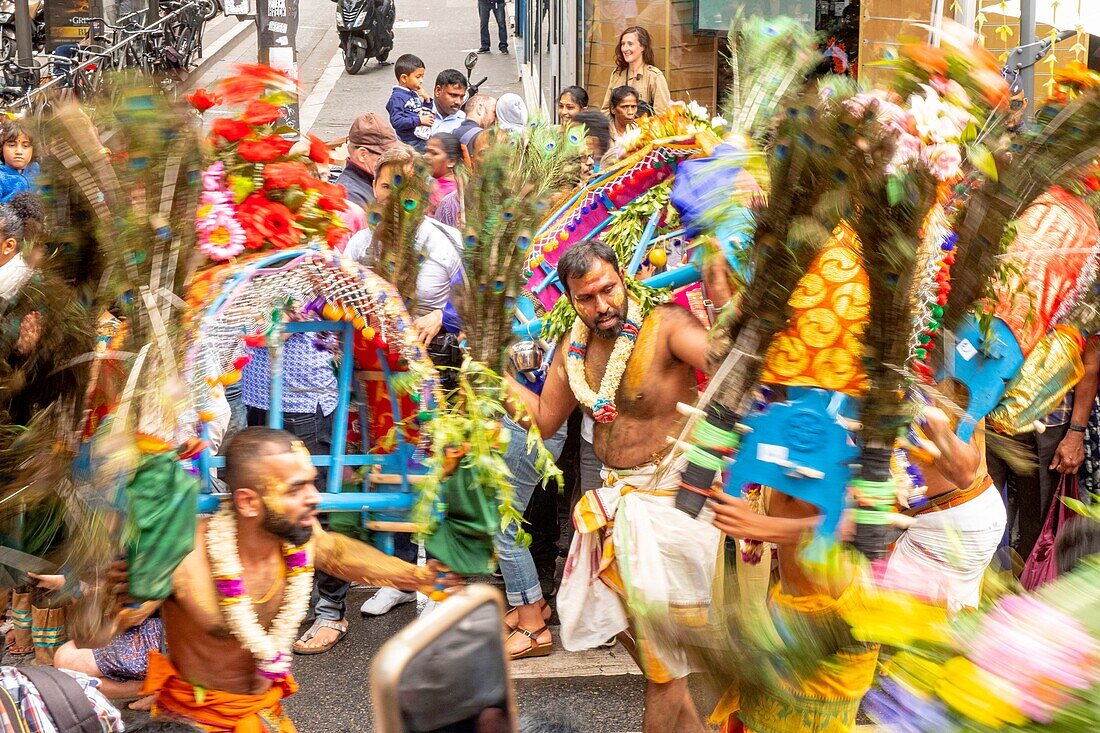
column 354, row 58
column 385, row 54
column 211, row 10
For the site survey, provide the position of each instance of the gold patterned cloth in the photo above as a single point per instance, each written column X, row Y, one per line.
column 821, row 346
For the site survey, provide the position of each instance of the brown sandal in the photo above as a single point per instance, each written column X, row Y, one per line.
column 534, row 648
column 513, row 612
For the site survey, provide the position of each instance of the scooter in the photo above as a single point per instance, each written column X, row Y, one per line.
column 7, row 27
column 366, row 30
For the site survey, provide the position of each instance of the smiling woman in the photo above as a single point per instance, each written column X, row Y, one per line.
column 634, row 67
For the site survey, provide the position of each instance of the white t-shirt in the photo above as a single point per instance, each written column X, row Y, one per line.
column 13, row 274
column 441, row 247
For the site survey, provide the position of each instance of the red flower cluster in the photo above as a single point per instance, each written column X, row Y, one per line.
column 267, row 222
column 278, row 200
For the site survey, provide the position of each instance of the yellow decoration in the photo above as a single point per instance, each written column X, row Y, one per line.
column 658, row 257
column 230, row 378
column 331, row 312
column 821, row 345
column 368, row 333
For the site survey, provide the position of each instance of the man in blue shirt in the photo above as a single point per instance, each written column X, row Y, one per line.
column 450, row 94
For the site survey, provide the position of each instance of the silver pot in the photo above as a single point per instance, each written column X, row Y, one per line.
column 527, row 356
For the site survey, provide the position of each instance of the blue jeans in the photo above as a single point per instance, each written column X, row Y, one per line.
column 521, row 579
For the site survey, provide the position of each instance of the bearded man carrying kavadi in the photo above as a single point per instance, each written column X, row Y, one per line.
column 643, row 367
column 240, row 596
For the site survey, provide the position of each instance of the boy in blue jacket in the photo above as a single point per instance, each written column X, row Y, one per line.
column 410, row 111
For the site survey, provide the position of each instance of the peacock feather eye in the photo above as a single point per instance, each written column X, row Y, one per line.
column 374, row 218
column 398, row 179
column 550, row 146
column 508, row 215
column 410, row 204
column 523, row 242
column 498, row 286
column 471, row 240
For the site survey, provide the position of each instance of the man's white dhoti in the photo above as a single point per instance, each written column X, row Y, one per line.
column 636, row 556
column 944, row 554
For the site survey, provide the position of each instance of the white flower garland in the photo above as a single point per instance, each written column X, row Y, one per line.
column 271, row 649
column 602, row 404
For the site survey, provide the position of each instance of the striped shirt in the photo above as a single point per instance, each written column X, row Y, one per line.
column 33, row 709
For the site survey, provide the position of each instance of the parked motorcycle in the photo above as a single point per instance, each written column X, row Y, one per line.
column 214, row 8
column 7, row 27
column 366, row 31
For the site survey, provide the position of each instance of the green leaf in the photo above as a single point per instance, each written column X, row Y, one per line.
column 1076, row 505
column 895, row 190
column 983, row 160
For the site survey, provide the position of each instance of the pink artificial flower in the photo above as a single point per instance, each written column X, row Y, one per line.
column 944, row 160
column 220, row 235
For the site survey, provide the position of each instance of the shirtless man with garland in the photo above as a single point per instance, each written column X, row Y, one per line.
column 643, row 368
column 240, row 596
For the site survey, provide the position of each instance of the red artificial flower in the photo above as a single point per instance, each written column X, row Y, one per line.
column 337, row 236
column 267, row 222
column 252, row 81
column 318, row 151
column 264, row 150
column 202, row 100
column 259, row 113
column 230, row 130
column 286, row 175
column 333, row 197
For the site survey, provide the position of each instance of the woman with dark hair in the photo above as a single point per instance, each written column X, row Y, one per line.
column 444, row 155
column 624, row 110
column 597, row 137
column 571, row 101
column 634, row 67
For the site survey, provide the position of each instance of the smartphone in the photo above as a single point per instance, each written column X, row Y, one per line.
column 446, row 672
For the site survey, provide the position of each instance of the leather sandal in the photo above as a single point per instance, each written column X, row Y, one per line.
column 299, row 646
column 534, row 648
column 513, row 613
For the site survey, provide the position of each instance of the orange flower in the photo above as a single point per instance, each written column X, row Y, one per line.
column 929, row 58
column 267, row 221
column 993, row 87
column 285, row 175
column 252, row 81
column 203, row 100
column 318, row 151
column 265, row 150
column 259, row 113
column 230, row 130
column 1077, row 75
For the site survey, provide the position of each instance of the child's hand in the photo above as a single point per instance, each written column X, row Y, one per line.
column 49, row 582
column 426, row 117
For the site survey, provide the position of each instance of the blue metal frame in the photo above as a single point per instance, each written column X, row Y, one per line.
column 391, row 504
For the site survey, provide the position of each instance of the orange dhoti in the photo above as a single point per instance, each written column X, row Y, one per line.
column 214, row 710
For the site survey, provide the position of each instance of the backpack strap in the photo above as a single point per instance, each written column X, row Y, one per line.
column 65, row 700
column 10, row 709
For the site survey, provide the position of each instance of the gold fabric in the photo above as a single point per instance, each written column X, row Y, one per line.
column 821, row 346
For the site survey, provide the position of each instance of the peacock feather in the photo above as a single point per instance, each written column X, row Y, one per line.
column 394, row 252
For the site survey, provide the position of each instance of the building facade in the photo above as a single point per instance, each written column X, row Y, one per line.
column 566, row 42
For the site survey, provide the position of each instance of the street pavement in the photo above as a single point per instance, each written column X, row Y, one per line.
column 441, row 32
